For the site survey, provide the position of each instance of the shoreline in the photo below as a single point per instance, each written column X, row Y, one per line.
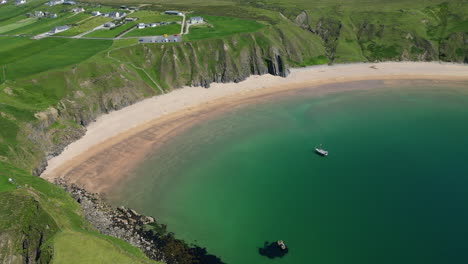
column 118, row 141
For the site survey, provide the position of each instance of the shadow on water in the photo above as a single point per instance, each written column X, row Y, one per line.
column 272, row 250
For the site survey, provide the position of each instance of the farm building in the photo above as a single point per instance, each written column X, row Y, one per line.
column 96, row 13
column 59, row 29
column 196, row 20
column 141, row 25
column 54, row 2
column 176, row 13
column 130, row 19
column 38, row 14
column 79, row 10
column 160, row 39
column 52, row 15
column 3, row 2
column 117, row 14
column 109, row 25
column 20, row 2
column 68, row 2
column 152, row 24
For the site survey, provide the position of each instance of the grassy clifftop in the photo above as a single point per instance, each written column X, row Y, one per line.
column 41, row 223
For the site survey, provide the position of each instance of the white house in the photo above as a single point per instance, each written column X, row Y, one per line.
column 141, row 25
column 153, row 24
column 117, row 14
column 109, row 25
column 54, row 2
column 20, row 2
column 96, row 13
column 59, row 29
column 38, row 14
column 78, row 10
column 196, row 20
column 52, row 15
column 177, row 13
column 3, row 2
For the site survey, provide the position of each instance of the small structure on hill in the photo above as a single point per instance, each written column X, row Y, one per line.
column 3, row 2
column 78, row 10
column 116, row 14
column 196, row 20
column 20, row 2
column 54, row 2
column 59, row 29
column 52, row 15
column 161, row 39
column 176, row 13
column 129, row 19
column 69, row 2
column 109, row 25
column 141, row 25
column 39, row 14
column 96, row 13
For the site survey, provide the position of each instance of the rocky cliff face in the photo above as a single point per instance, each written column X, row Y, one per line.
column 231, row 59
column 26, row 228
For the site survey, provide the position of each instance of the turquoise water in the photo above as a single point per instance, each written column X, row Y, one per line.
column 394, row 188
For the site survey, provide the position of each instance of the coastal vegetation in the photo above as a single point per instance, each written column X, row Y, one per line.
column 51, row 88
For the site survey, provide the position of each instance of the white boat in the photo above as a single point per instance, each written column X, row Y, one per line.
column 321, row 151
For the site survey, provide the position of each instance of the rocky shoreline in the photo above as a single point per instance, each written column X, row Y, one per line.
column 143, row 232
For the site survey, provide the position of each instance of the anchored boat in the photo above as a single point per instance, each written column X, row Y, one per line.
column 321, row 151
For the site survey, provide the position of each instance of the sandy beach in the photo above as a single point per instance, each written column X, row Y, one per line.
column 118, row 141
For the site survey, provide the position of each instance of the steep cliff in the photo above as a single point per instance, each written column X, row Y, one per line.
column 26, row 230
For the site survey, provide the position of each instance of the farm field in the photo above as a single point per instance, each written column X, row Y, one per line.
column 156, row 31
column 217, row 26
column 47, row 54
column 110, row 33
column 145, row 16
column 45, row 25
column 85, row 26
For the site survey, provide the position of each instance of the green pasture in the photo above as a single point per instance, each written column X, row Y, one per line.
column 47, row 56
column 85, row 26
column 110, row 33
column 156, row 31
column 145, row 16
column 218, row 26
column 45, row 25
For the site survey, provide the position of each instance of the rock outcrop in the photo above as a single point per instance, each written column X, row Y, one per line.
column 139, row 230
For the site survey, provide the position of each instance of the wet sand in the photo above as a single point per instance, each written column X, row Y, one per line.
column 119, row 141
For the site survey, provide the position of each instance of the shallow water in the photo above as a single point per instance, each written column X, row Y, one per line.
column 394, row 188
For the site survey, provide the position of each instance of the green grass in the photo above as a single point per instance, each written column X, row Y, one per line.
column 145, row 16
column 40, row 206
column 218, row 26
column 110, row 33
column 17, row 24
column 156, row 31
column 64, row 52
column 45, row 25
column 85, row 26
column 75, row 247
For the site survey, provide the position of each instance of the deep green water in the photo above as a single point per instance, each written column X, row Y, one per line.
column 393, row 190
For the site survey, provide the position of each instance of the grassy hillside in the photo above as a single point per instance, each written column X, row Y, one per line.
column 41, row 222
column 50, row 89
